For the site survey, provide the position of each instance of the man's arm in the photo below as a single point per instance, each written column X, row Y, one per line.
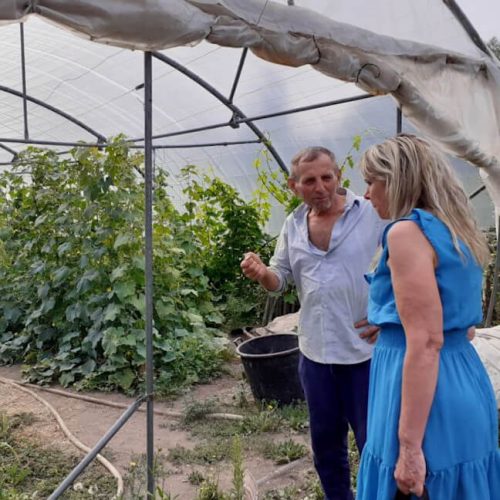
column 253, row 268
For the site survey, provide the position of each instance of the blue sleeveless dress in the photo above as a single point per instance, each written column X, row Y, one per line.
column 461, row 438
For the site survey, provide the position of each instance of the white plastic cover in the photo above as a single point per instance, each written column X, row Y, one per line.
column 419, row 55
column 487, row 344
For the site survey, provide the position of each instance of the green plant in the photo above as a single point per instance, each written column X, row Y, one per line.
column 296, row 416
column 238, row 471
column 198, row 410
column 203, row 454
column 348, row 161
column 307, row 489
column 196, row 478
column 267, row 420
column 29, row 469
column 226, row 227
column 72, row 276
column 135, row 478
column 353, row 456
column 285, row 451
column 209, row 490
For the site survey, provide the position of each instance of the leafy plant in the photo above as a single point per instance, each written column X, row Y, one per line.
column 71, row 285
column 196, row 478
column 238, row 492
column 226, row 227
column 135, row 479
column 285, row 451
column 209, row 490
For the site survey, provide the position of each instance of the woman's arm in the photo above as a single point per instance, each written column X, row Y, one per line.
column 412, row 261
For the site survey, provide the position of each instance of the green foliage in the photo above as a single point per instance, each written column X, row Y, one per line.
column 196, row 478
column 348, row 161
column 71, row 285
column 295, row 416
column 207, row 453
column 209, row 490
column 226, row 227
column 310, row 489
column 490, row 279
column 284, row 452
column 136, row 477
column 238, row 492
column 353, row 456
column 494, row 45
column 29, row 469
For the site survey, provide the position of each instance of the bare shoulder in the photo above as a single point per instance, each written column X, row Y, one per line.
column 405, row 231
column 407, row 237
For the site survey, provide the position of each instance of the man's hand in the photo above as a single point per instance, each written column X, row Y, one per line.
column 253, row 267
column 370, row 333
column 471, row 333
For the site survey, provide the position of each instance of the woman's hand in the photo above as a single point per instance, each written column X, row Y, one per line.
column 410, row 470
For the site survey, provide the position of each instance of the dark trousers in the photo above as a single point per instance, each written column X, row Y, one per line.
column 337, row 396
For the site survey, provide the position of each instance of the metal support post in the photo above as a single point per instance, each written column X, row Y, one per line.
column 148, row 253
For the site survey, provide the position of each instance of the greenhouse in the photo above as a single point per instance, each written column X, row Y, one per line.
column 145, row 148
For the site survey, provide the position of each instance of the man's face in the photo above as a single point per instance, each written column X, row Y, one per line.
column 316, row 182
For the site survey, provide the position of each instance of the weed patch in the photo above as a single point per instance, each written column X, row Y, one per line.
column 30, row 469
column 284, row 452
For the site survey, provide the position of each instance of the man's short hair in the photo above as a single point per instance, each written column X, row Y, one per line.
column 310, row 154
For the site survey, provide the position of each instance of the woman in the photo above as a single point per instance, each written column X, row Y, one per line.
column 432, row 415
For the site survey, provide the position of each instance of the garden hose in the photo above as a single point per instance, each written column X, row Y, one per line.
column 252, row 485
column 111, row 468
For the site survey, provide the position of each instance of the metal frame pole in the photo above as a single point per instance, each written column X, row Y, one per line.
column 148, row 252
column 66, row 483
column 238, row 73
column 23, row 74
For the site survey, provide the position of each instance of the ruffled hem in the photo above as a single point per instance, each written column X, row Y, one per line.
column 477, row 480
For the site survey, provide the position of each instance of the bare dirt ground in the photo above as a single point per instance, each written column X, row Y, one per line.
column 88, row 422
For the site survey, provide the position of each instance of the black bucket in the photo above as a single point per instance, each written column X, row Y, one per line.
column 271, row 365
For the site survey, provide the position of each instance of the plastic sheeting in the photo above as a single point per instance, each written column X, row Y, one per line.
column 441, row 91
column 487, row 344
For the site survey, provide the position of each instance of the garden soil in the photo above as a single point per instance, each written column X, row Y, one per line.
column 88, row 422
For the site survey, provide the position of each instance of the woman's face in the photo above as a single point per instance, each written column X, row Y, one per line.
column 376, row 193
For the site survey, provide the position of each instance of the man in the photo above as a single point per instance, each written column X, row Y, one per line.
column 326, row 245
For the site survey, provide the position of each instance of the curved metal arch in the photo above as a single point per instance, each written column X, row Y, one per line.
column 97, row 135
column 224, row 100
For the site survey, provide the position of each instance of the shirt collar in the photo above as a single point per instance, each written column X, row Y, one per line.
column 350, row 200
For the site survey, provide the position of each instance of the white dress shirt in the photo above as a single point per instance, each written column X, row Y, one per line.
column 332, row 291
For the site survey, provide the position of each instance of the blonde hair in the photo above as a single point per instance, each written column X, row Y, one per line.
column 417, row 176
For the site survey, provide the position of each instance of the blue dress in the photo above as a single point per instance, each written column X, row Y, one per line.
column 461, row 438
